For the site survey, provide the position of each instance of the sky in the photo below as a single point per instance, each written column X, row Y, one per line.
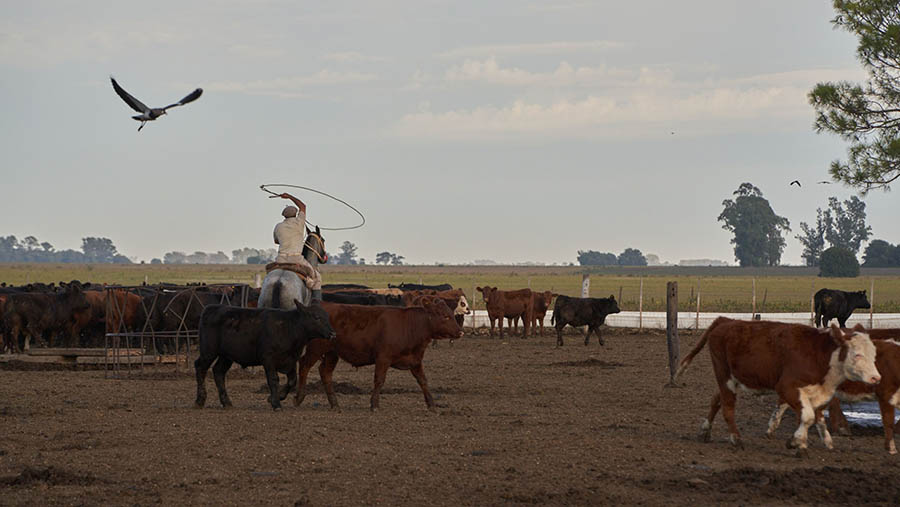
column 506, row 130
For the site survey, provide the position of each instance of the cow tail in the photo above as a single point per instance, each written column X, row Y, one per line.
column 276, row 295
column 696, row 350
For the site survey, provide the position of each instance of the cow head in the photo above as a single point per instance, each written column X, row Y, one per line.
column 858, row 299
column 315, row 321
column 609, row 305
column 547, row 297
column 858, row 353
column 486, row 292
column 462, row 306
column 443, row 322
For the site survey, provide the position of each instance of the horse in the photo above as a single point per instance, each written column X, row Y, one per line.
column 281, row 287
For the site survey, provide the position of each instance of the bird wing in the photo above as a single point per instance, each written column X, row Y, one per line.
column 132, row 102
column 797, row 182
column 194, row 95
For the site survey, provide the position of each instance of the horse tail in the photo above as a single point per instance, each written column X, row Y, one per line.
column 276, row 295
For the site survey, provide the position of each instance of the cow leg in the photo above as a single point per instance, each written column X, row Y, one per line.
column 559, row 339
column 418, row 371
column 806, row 415
column 823, row 429
column 500, row 326
column 291, row 375
column 201, row 367
column 314, row 351
column 706, row 427
column 587, row 335
column 836, row 420
column 272, row 381
column 729, row 398
column 491, row 319
column 775, row 419
column 381, row 368
column 843, row 321
column 887, row 420
column 326, row 370
column 219, row 370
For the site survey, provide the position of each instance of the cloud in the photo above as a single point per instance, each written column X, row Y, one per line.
column 351, row 57
column 539, row 48
column 574, row 101
column 291, row 87
column 638, row 114
column 489, row 71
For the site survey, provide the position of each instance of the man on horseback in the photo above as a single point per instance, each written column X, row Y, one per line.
column 289, row 236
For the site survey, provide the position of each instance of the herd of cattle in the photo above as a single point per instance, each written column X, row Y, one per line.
column 810, row 369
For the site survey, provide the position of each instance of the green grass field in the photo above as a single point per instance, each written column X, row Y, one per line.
column 721, row 289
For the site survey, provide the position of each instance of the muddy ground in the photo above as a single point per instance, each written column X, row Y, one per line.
column 518, row 422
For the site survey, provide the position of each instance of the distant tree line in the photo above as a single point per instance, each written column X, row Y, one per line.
column 629, row 257
column 841, row 225
column 881, row 254
column 30, row 249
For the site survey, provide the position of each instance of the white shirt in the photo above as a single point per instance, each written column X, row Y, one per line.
column 290, row 233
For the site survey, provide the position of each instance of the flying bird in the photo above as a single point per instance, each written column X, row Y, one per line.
column 797, row 182
column 824, row 183
column 147, row 113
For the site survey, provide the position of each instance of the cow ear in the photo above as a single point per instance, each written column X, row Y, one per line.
column 859, row 328
column 318, row 231
column 479, row 289
column 838, row 335
column 612, row 296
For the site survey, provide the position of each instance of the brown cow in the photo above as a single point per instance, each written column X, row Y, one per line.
column 887, row 392
column 386, row 336
column 508, row 304
column 542, row 302
column 802, row 364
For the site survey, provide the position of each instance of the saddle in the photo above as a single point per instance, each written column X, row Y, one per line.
column 301, row 270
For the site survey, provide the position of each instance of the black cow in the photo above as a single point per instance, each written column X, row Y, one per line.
column 269, row 337
column 414, row 286
column 575, row 312
column 340, row 286
column 33, row 314
column 837, row 304
column 362, row 298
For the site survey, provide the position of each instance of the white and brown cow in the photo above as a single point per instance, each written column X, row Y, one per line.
column 802, row 364
column 886, row 392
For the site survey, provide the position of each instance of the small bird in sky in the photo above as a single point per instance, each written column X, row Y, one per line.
column 797, row 182
column 147, row 113
column 824, row 183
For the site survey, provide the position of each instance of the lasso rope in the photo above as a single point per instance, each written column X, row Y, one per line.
column 345, row 203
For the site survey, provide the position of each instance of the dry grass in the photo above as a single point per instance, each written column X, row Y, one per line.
column 721, row 289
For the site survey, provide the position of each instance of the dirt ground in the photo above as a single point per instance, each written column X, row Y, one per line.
column 518, row 422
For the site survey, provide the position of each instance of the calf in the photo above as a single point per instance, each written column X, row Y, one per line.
column 590, row 312
column 256, row 336
column 542, row 302
column 385, row 336
column 508, row 304
column 837, row 304
column 800, row 363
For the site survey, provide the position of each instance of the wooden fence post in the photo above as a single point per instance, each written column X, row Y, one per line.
column 620, row 295
column 585, row 285
column 697, row 319
column 672, row 329
column 871, row 304
column 641, row 306
column 812, row 308
column 472, row 306
column 753, row 315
